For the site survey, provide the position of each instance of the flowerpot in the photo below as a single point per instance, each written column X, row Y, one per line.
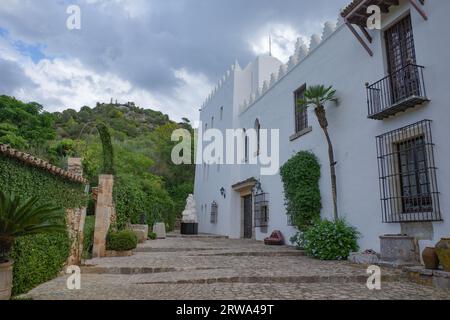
column 430, row 258
column 6, row 273
column 443, row 253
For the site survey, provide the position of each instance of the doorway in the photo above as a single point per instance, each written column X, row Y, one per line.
column 248, row 217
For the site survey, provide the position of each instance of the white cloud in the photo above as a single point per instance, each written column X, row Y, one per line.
column 283, row 41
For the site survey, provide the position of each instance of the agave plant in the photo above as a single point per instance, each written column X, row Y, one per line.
column 317, row 96
column 20, row 218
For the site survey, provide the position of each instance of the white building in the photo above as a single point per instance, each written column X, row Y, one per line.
column 389, row 137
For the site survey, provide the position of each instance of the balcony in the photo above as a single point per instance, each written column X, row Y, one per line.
column 399, row 91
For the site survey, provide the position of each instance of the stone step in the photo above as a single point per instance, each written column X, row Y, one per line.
column 199, row 236
column 156, row 250
column 275, row 279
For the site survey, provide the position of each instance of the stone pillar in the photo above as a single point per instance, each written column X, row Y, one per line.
column 103, row 212
column 74, row 166
column 75, row 219
column 75, row 222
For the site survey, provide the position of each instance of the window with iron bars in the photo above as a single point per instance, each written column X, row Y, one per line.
column 261, row 210
column 301, row 112
column 214, row 212
column 408, row 185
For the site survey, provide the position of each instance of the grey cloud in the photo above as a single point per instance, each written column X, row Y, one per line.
column 198, row 35
column 12, row 77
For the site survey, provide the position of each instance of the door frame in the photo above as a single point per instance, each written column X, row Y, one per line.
column 245, row 188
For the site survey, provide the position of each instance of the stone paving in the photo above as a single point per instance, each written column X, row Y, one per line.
column 216, row 268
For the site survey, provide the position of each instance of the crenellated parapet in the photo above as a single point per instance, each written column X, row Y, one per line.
column 302, row 51
column 222, row 82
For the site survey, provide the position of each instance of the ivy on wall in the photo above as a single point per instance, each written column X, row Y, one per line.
column 301, row 175
column 39, row 258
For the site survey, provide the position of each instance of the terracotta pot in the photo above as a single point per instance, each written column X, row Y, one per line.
column 443, row 252
column 6, row 280
column 430, row 258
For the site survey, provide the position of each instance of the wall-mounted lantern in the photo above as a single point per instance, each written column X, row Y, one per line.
column 223, row 192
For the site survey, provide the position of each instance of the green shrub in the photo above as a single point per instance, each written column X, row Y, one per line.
column 88, row 238
column 37, row 259
column 122, row 241
column 152, row 236
column 301, row 175
column 328, row 240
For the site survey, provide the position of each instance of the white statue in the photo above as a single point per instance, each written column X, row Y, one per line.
column 190, row 213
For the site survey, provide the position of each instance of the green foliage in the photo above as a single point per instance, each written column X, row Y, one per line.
column 108, row 152
column 38, row 259
column 140, row 138
column 301, row 175
column 24, row 125
column 88, row 237
column 328, row 240
column 121, row 241
column 26, row 217
column 152, row 235
column 317, row 96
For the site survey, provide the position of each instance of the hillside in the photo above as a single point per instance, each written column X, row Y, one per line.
column 147, row 182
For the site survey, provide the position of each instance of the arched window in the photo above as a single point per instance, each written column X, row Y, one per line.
column 221, row 113
column 246, row 157
column 258, row 136
column 212, row 122
column 214, row 212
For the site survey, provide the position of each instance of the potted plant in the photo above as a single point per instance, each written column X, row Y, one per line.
column 20, row 218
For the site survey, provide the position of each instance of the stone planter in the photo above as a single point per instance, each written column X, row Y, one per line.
column 443, row 252
column 189, row 228
column 141, row 230
column 6, row 274
column 160, row 230
column 430, row 258
column 399, row 250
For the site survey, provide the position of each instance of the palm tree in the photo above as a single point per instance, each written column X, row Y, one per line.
column 20, row 218
column 317, row 96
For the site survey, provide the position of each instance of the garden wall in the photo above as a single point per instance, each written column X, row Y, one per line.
column 40, row 258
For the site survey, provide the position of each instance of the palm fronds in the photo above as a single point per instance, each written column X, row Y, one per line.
column 19, row 218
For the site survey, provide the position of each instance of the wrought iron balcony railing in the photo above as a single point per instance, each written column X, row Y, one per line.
column 399, row 91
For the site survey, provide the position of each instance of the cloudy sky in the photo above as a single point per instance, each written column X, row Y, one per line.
column 163, row 54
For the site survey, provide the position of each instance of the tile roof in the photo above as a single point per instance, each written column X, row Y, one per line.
column 7, row 151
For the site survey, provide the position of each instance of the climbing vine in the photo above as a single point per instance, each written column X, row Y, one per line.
column 301, row 175
column 39, row 258
column 108, row 151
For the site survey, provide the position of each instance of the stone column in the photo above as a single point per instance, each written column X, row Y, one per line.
column 74, row 166
column 75, row 219
column 103, row 212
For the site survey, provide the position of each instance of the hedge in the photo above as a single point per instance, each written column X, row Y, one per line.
column 301, row 175
column 121, row 241
column 39, row 258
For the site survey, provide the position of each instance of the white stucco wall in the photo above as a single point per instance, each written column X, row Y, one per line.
column 339, row 61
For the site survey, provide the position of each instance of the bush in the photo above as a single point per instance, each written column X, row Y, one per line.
column 88, row 237
column 37, row 259
column 328, row 240
column 152, row 236
column 121, row 241
column 301, row 175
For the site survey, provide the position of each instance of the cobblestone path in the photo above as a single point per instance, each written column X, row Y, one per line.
column 217, row 268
